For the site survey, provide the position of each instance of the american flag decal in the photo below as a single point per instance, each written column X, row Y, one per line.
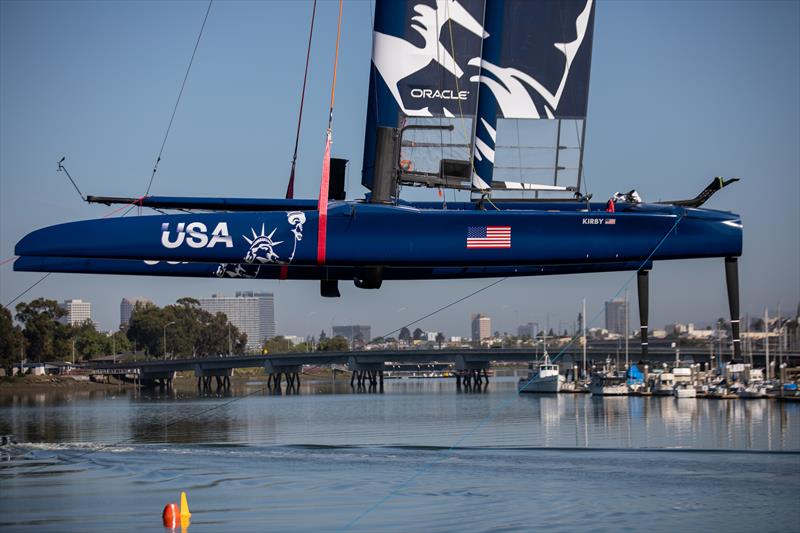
column 489, row 237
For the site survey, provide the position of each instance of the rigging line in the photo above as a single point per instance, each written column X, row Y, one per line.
column 62, row 168
column 519, row 151
column 583, row 175
column 458, row 89
column 23, row 293
column 491, row 416
column 159, row 429
column 335, row 65
column 130, row 206
column 178, row 101
column 136, row 202
column 290, row 188
column 489, row 199
column 451, row 304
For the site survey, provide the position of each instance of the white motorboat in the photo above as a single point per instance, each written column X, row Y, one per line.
column 685, row 390
column 664, row 384
column 684, row 382
column 608, row 384
column 544, row 378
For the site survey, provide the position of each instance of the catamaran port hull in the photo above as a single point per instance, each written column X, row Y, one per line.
column 73, row 265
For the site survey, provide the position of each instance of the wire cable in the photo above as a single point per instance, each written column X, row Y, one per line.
column 178, row 101
column 23, row 293
column 451, row 304
column 290, row 187
column 62, row 168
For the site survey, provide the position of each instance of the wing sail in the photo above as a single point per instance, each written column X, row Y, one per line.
column 477, row 60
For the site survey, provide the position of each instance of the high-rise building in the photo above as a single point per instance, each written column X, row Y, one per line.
column 616, row 312
column 530, row 330
column 78, row 312
column 362, row 333
column 251, row 312
column 126, row 307
column 481, row 327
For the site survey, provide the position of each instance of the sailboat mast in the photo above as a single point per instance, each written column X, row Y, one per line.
column 584, row 336
column 766, row 341
column 627, row 335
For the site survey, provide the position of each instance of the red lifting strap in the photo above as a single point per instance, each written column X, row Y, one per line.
column 322, row 202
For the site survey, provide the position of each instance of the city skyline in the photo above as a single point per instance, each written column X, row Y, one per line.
column 663, row 118
column 598, row 322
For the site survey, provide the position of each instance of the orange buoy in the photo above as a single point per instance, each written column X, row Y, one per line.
column 171, row 515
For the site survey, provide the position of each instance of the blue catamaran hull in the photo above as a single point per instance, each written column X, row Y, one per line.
column 426, row 242
column 71, row 265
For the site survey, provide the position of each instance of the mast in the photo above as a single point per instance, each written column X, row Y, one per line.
column 485, row 127
column 766, row 340
column 626, row 329
column 584, row 336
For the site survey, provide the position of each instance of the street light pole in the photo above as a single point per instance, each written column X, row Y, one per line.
column 165, row 338
column 230, row 349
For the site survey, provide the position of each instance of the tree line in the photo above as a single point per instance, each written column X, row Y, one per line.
column 40, row 335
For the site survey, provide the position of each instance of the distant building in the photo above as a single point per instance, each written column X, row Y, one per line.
column 616, row 312
column 481, row 327
column 677, row 328
column 294, row 339
column 531, row 329
column 351, row 333
column 658, row 333
column 78, row 312
column 126, row 307
column 251, row 312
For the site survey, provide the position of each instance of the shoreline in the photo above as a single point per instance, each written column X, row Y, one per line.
column 57, row 382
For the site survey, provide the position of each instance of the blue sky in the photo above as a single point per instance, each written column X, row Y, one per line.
column 680, row 92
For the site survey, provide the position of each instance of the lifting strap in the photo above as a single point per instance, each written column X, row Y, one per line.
column 322, row 202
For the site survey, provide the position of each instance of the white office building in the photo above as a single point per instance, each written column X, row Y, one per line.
column 78, row 312
column 481, row 326
column 126, row 307
column 251, row 312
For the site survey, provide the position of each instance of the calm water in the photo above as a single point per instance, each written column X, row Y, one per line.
column 329, row 459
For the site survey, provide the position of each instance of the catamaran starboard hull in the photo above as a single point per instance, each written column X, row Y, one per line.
column 406, row 238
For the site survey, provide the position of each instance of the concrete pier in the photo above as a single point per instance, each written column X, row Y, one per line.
column 276, row 373
column 367, row 374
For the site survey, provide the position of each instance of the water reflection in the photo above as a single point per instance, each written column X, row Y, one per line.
column 656, row 422
column 427, row 412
